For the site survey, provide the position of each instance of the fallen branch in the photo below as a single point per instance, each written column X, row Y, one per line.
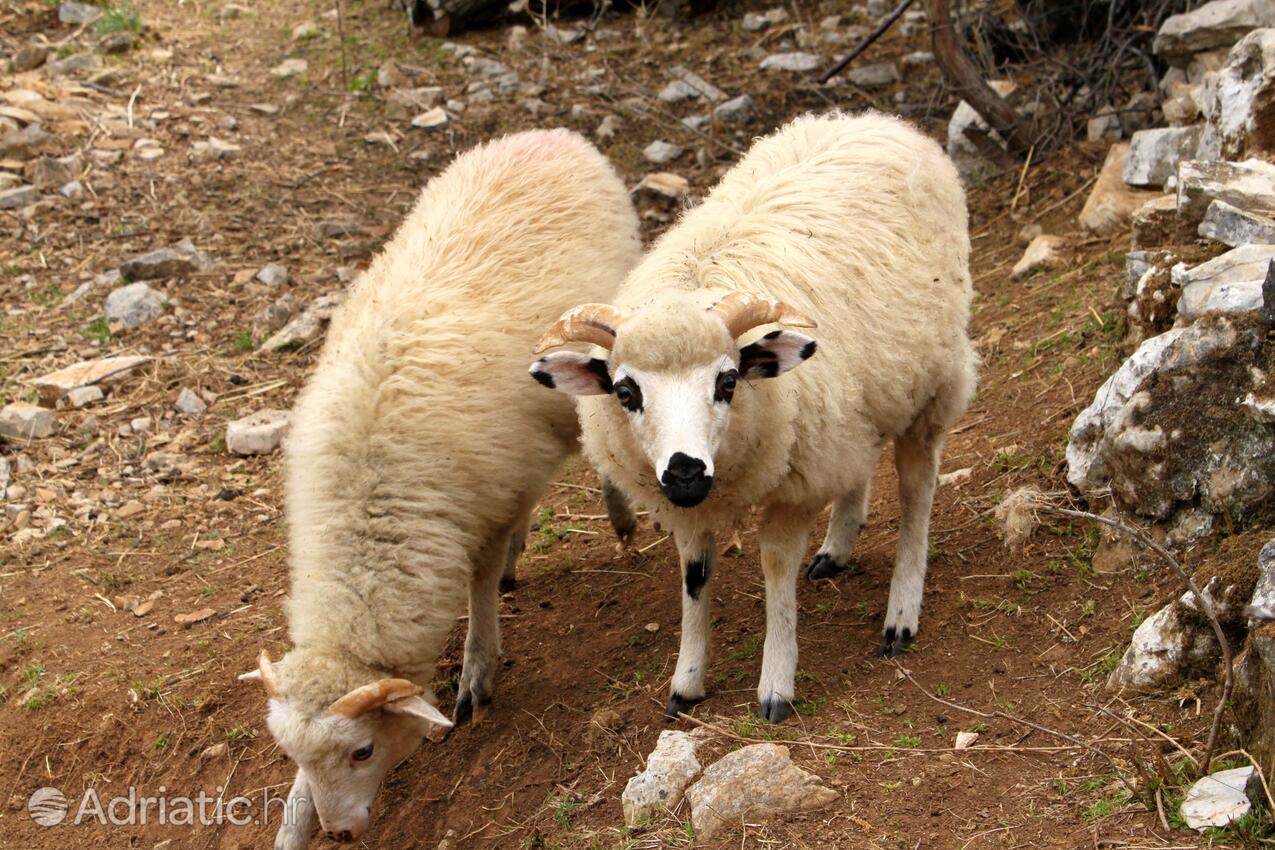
column 866, row 43
column 1202, row 600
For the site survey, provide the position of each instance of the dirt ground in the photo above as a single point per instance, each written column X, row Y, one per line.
column 94, row 696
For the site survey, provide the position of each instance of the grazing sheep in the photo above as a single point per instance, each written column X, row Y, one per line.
column 858, row 222
column 415, row 460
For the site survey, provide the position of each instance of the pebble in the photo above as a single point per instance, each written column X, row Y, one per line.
column 133, row 305
column 83, row 396
column 609, row 126
column 435, row 117
column 180, row 259
column 17, row 198
column 189, row 402
column 737, row 110
column 141, row 425
column 799, row 63
column 289, row 68
column 72, row 12
column 260, row 433
column 273, row 274
column 29, row 58
column 661, row 152
column 25, row 421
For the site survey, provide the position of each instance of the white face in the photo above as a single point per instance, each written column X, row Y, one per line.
column 679, row 420
column 344, row 760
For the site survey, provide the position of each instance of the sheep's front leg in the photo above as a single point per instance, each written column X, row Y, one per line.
column 298, row 817
column 493, row 568
column 783, row 543
column 916, row 459
column 695, row 550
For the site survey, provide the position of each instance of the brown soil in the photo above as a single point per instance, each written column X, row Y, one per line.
column 96, row 697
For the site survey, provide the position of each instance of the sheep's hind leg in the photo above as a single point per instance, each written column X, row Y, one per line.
column 696, row 554
column 848, row 516
column 619, row 511
column 492, row 569
column 517, row 543
column 783, row 542
column 916, row 458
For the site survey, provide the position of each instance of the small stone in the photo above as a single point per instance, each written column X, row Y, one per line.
column 195, row 617
column 216, row 751
column 48, row 173
column 1111, row 203
column 435, row 117
column 1154, row 154
column 677, row 91
column 305, row 30
column 609, row 126
column 754, row 22
column 1219, row 799
column 140, row 425
column 1104, row 126
column 128, row 509
column 969, row 159
column 563, row 37
column 753, row 783
column 799, row 63
column 278, row 312
column 402, row 102
column 22, row 196
column 260, row 433
column 25, row 421
column 307, row 326
column 84, row 396
column 117, row 42
column 1233, row 226
column 663, row 186
column 658, row 788
column 29, row 57
column 1042, row 253
column 74, row 189
column 85, row 373
column 71, row 12
column 481, row 66
column 273, row 274
column 737, row 110
column 652, row 627
column 214, row 149
column 190, row 403
column 133, row 305
column 874, row 76
column 24, row 143
column 661, row 152
column 965, row 740
column 289, row 68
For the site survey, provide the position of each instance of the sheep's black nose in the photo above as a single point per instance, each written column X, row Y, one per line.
column 684, row 481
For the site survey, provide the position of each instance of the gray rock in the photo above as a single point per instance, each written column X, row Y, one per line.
column 71, row 12
column 19, row 197
column 1154, row 154
column 24, row 143
column 1112, row 203
column 874, row 76
column 257, row 434
column 25, row 421
column 278, row 312
column 661, row 152
column 84, row 396
column 1219, row 23
column 29, row 58
column 917, row 59
column 969, row 159
column 273, row 274
column 1236, row 100
column 72, row 64
column 289, row 68
column 117, row 42
column 799, row 63
column 879, row 8
column 1165, row 432
column 1182, row 106
column 1261, row 607
column 701, row 86
column 189, row 402
column 737, row 110
column 1229, row 283
column 133, row 305
column 658, row 788
column 662, row 186
column 563, row 37
column 49, row 173
column 1220, row 799
column 481, row 66
column 1233, row 226
column 63, row 381
column 754, row 22
column 1042, row 253
column 178, row 260
column 308, row 326
column 752, row 783
column 1248, row 185
column 677, row 91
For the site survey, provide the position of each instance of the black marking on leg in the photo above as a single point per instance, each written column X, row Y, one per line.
column 466, row 704
column 697, row 572
column 824, row 566
column 775, row 710
column 678, row 704
column 895, row 643
column 508, row 584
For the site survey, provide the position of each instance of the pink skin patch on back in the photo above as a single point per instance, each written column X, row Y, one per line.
column 537, row 143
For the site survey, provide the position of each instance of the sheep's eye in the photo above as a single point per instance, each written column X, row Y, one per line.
column 726, row 386
column 362, row 753
column 628, row 394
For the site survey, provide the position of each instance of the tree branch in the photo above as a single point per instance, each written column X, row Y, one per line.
column 866, row 43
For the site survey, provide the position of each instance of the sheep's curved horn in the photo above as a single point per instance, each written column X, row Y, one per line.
column 264, row 674
column 595, row 323
column 360, row 701
column 743, row 311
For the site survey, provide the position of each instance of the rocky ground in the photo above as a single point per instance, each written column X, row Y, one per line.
column 185, row 191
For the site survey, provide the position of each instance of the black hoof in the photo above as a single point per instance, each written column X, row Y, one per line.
column 678, row 704
column 508, row 584
column 775, row 710
column 896, row 643
column 823, row 566
column 465, row 706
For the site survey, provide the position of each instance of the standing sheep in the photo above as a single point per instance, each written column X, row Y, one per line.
column 859, row 222
column 415, row 460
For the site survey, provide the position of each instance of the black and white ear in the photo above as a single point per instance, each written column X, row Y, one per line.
column 774, row 354
column 572, row 373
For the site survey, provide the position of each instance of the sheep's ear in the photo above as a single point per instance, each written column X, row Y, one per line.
column 774, row 354
column 420, row 707
column 572, row 373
